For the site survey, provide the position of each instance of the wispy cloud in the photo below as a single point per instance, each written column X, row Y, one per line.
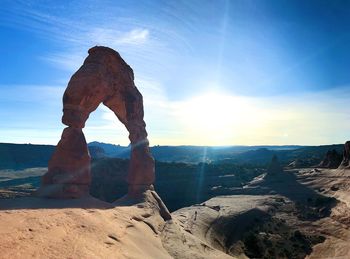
column 112, row 37
column 72, row 57
column 141, row 42
column 135, row 36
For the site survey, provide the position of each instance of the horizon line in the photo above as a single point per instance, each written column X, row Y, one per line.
column 189, row 145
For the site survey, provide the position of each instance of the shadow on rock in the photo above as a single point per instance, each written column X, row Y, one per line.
column 309, row 203
column 31, row 203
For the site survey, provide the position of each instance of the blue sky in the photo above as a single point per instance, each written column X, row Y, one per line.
column 211, row 72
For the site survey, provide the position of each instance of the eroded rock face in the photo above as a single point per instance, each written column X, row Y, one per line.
column 345, row 164
column 103, row 78
column 331, row 160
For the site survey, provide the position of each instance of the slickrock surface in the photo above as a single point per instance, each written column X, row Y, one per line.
column 336, row 227
column 294, row 215
column 302, row 218
column 222, row 220
column 88, row 228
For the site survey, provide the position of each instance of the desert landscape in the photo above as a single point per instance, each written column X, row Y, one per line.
column 281, row 213
column 175, row 129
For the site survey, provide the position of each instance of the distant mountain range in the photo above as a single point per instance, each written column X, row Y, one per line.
column 258, row 155
column 188, row 154
column 20, row 156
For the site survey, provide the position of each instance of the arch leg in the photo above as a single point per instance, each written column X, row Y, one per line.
column 128, row 107
column 68, row 173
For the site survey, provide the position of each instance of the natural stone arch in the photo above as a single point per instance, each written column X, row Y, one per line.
column 103, row 78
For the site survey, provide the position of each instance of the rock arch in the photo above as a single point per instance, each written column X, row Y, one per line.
column 104, row 78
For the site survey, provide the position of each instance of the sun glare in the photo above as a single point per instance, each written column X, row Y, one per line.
column 215, row 118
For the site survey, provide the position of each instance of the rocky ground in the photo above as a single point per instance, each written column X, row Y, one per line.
column 255, row 227
column 336, row 228
column 89, row 228
column 299, row 213
column 19, row 183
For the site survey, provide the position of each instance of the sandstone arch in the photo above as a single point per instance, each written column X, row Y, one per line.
column 104, row 78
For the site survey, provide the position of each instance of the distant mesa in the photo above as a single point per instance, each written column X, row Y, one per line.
column 332, row 159
column 345, row 163
column 104, row 78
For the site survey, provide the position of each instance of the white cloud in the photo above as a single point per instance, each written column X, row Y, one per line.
column 113, row 37
column 72, row 58
column 135, row 36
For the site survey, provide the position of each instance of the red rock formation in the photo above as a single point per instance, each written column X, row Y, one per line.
column 69, row 168
column 332, row 159
column 345, row 164
column 103, row 78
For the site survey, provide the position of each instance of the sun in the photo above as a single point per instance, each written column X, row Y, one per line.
column 215, row 118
